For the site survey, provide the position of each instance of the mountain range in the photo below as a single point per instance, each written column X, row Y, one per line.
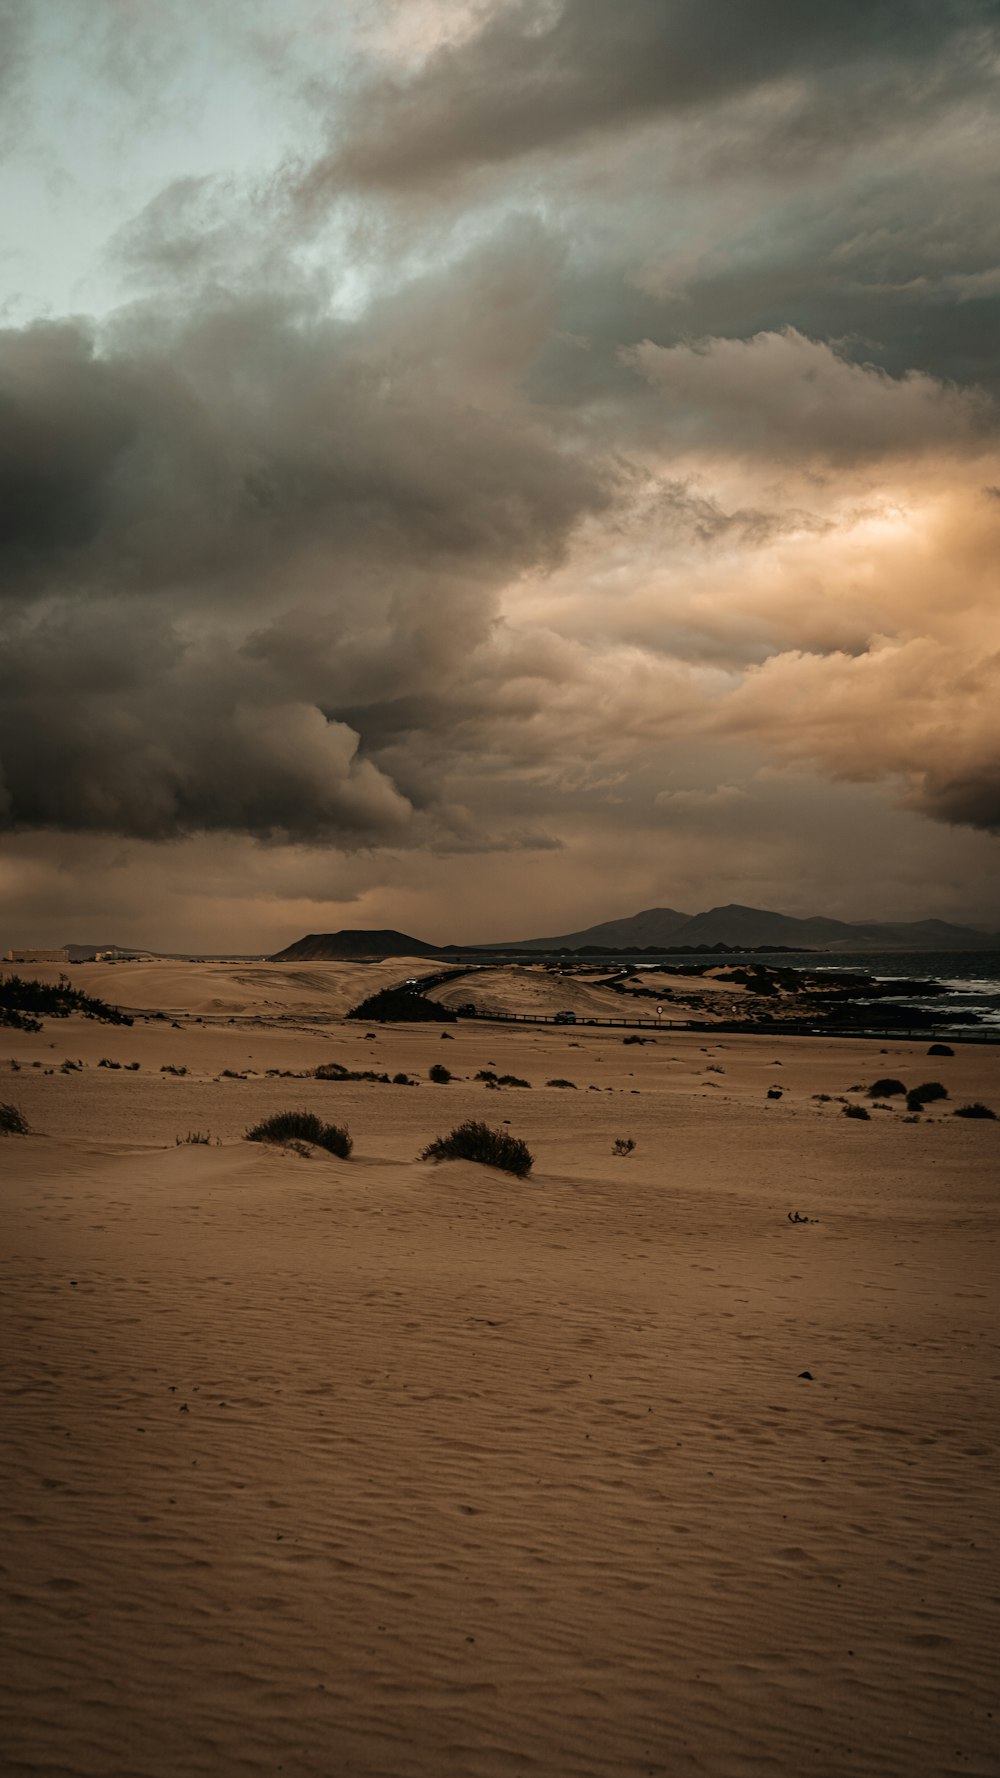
column 736, row 925
column 667, row 928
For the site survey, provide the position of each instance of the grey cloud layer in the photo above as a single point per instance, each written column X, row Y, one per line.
column 536, row 77
column 592, row 480
column 216, row 531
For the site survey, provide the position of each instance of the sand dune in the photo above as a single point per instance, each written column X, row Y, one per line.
column 383, row 1468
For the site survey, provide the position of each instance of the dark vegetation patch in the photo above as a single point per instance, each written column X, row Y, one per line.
column 337, row 1071
column 772, row 1092
column 285, row 1127
column 23, row 1003
column 974, row 1110
column 886, row 1089
column 856, row 1111
column 169, row 1068
column 488, row 1075
column 940, row 1049
column 511, row 1080
column 474, row 1141
column 561, row 1083
column 638, row 1039
column 439, row 1073
column 926, row 1094
column 12, row 1121
column 623, row 1145
column 403, row 1006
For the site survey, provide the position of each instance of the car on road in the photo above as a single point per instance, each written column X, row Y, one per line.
column 564, row 1018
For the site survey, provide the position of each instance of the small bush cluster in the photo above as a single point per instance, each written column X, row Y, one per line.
column 623, row 1145
column 474, row 1141
column 561, row 1083
column 22, row 1003
column 337, row 1071
column 286, row 1127
column 402, row 1005
column 439, row 1073
column 12, row 1121
column 975, row 1110
column 940, row 1049
column 886, row 1089
column 927, row 1094
column 856, row 1111
column 169, row 1068
column 196, row 1139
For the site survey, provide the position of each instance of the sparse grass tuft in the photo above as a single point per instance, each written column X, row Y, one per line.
column 623, row 1145
column 196, row 1139
column 474, row 1141
column 12, row 1121
column 285, row 1127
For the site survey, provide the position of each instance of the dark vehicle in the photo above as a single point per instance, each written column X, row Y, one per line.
column 468, row 1011
column 564, row 1018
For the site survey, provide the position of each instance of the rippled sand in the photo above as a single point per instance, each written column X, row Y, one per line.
column 375, row 1467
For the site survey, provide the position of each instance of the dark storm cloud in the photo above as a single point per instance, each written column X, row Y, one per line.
column 533, row 78
column 218, row 529
column 238, row 440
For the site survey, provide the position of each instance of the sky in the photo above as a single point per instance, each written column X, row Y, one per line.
column 484, row 467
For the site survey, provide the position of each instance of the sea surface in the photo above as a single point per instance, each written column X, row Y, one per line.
column 972, row 978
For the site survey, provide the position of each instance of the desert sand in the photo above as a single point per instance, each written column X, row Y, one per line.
column 383, row 1468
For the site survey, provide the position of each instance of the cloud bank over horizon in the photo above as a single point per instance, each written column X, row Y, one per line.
column 551, row 467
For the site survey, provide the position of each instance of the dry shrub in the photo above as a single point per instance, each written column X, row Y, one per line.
column 286, row 1127
column 474, row 1141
